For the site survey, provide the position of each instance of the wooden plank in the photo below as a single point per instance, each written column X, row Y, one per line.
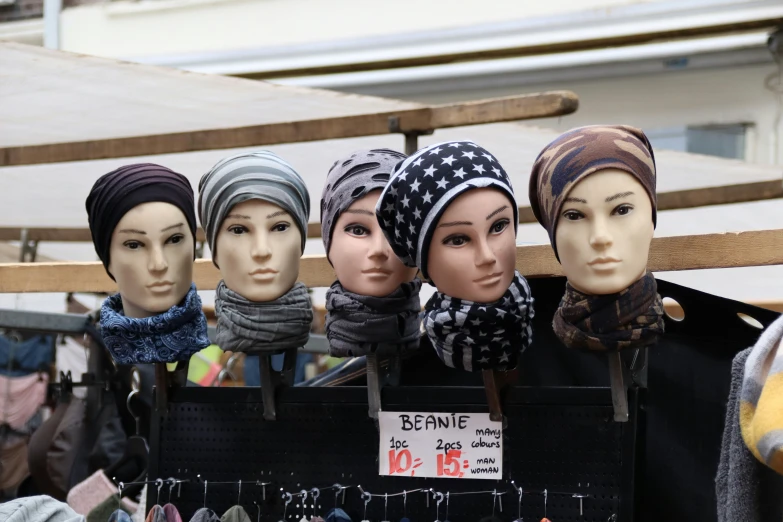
column 759, row 248
column 512, row 108
column 680, row 199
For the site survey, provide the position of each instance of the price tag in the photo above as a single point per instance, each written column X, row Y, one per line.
column 445, row 445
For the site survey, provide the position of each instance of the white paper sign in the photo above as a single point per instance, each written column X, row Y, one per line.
column 445, row 445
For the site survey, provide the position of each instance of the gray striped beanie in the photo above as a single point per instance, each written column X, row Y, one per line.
column 350, row 179
column 251, row 175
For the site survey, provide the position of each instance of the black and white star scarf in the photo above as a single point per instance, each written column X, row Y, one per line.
column 477, row 336
column 422, row 187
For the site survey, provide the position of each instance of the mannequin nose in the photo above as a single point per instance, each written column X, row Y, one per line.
column 600, row 236
column 260, row 249
column 379, row 247
column 157, row 261
column 484, row 254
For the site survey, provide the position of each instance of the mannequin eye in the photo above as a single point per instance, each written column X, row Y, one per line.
column 356, row 230
column 499, row 226
column 175, row 239
column 281, row 227
column 623, row 210
column 456, row 240
column 238, row 229
column 573, row 215
column 133, row 245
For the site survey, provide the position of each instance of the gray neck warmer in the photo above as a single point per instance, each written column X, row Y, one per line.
column 358, row 324
column 271, row 326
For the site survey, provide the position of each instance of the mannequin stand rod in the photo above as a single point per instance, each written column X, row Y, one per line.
column 268, row 386
column 492, row 385
column 619, row 395
column 373, row 385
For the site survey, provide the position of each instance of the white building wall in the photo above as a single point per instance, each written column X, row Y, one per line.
column 155, row 27
column 654, row 101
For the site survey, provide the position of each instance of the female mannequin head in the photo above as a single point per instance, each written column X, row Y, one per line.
column 593, row 189
column 355, row 245
column 254, row 209
column 450, row 210
column 143, row 226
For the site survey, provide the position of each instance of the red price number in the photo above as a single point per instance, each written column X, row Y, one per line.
column 401, row 462
column 450, row 465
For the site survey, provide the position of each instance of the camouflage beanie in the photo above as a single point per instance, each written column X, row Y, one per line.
column 583, row 151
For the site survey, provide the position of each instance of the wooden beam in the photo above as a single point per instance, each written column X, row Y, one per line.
column 761, row 248
column 512, row 108
column 679, row 199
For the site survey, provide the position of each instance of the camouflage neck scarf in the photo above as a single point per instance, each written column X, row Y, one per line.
column 632, row 318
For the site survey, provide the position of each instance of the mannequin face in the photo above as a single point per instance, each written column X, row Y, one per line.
column 604, row 231
column 361, row 255
column 151, row 258
column 473, row 250
column 258, row 250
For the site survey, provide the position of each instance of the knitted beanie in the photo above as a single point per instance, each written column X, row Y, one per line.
column 580, row 152
column 117, row 192
column 350, row 179
column 251, row 175
column 761, row 398
column 422, row 187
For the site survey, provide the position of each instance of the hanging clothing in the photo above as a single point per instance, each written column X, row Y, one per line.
column 337, row 515
column 138, row 516
column 172, row 513
column 13, row 464
column 119, row 516
column 23, row 358
column 156, row 514
column 205, row 515
column 235, row 514
column 745, row 488
column 88, row 494
column 21, row 398
column 105, row 509
column 54, row 448
column 38, row 509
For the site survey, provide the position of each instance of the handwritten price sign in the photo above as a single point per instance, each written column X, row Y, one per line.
column 445, row 445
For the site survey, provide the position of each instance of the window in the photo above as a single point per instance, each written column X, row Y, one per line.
column 725, row 141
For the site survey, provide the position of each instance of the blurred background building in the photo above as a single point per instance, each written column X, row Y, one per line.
column 697, row 75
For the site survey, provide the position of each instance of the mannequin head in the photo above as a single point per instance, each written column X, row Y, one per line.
column 254, row 209
column 152, row 258
column 143, row 223
column 473, row 250
column 604, row 232
column 450, row 210
column 362, row 257
column 579, row 154
column 258, row 250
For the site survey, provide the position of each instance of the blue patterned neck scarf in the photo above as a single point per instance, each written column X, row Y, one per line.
column 172, row 336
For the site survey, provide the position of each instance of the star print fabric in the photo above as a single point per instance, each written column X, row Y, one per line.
column 477, row 336
column 423, row 186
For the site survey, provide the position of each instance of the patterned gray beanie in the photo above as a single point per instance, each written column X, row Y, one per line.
column 350, row 179
column 251, row 175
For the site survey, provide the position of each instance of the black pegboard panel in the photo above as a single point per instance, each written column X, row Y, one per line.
column 561, row 439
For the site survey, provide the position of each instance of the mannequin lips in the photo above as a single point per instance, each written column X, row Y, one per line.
column 604, row 263
column 490, row 279
column 160, row 287
column 377, row 273
column 263, row 274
